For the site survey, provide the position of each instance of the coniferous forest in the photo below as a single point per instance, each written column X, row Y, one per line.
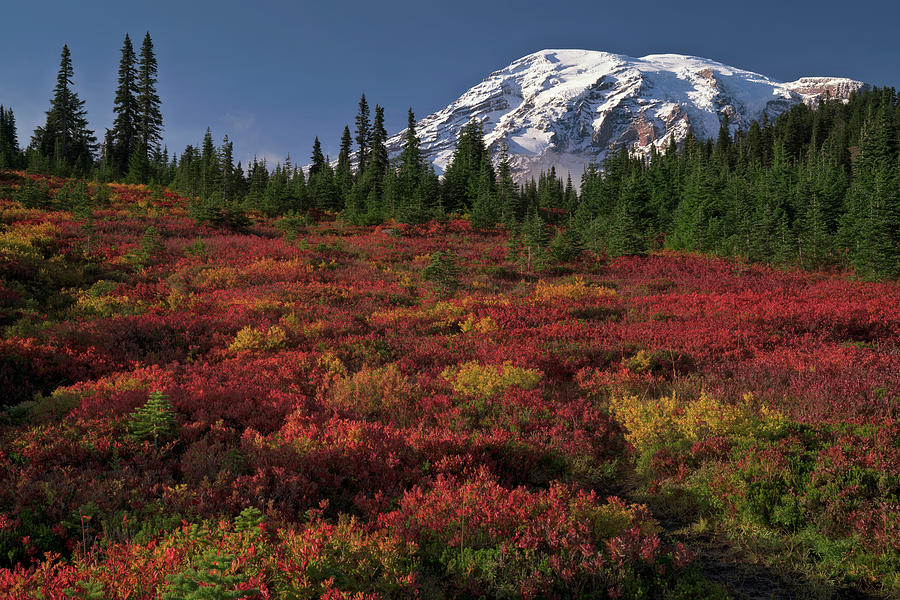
column 675, row 377
column 816, row 187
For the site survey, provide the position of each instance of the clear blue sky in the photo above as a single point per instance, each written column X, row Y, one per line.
column 272, row 75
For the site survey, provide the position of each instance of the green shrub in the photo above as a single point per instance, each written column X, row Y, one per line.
column 444, row 271
column 208, row 579
column 154, row 420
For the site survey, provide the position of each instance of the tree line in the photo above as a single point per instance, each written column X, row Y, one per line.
column 65, row 144
column 818, row 186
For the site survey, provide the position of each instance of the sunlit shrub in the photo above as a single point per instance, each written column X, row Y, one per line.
column 654, row 423
column 482, row 325
column 27, row 239
column 369, row 392
column 331, row 364
column 250, row 338
column 485, row 381
column 576, row 289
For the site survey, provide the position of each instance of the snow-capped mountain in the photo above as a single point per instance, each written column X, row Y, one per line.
column 567, row 108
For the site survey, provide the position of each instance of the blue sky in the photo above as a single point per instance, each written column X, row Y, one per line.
column 273, row 75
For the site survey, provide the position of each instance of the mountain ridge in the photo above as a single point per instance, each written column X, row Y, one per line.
column 566, row 108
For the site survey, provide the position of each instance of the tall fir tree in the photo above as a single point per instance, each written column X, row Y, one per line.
column 9, row 141
column 317, row 158
column 343, row 176
column 484, row 214
column 210, row 169
column 363, row 135
column 410, row 175
column 512, row 211
column 65, row 138
column 461, row 175
column 870, row 227
column 149, row 115
column 379, row 155
column 125, row 108
column 226, row 159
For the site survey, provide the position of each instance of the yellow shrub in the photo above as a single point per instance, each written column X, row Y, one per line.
column 331, row 364
column 270, row 269
column 612, row 519
column 26, row 239
column 291, row 322
column 576, row 289
column 646, row 422
column 640, row 362
column 218, row 278
column 405, row 281
column 482, row 325
column 444, row 312
column 249, row 338
column 103, row 306
column 485, row 381
column 664, row 421
column 178, row 299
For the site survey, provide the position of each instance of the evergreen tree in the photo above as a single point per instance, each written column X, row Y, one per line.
column 226, row 159
column 322, row 187
column 870, row 226
column 343, row 176
column 428, row 195
column 534, row 242
column 208, row 578
column 125, row 107
column 692, row 213
column 484, row 213
column 410, row 208
column 443, row 270
column 149, row 117
column 9, row 141
column 461, row 175
column 65, row 137
column 512, row 211
column 299, row 190
column 570, row 197
column 390, row 194
column 624, row 239
column 363, row 135
column 317, row 158
column 138, row 166
column 155, row 420
column 379, row 156
column 410, row 159
column 210, row 169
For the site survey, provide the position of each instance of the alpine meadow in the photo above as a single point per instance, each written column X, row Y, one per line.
column 601, row 327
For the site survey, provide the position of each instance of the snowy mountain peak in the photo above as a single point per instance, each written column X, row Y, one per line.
column 567, row 108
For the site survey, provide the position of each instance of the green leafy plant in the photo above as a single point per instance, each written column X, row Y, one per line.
column 197, row 248
column 249, row 519
column 208, row 579
column 155, row 420
column 444, row 271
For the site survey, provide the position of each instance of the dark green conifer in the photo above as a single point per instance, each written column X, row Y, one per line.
column 363, row 136
column 125, row 107
column 65, row 138
column 149, row 115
